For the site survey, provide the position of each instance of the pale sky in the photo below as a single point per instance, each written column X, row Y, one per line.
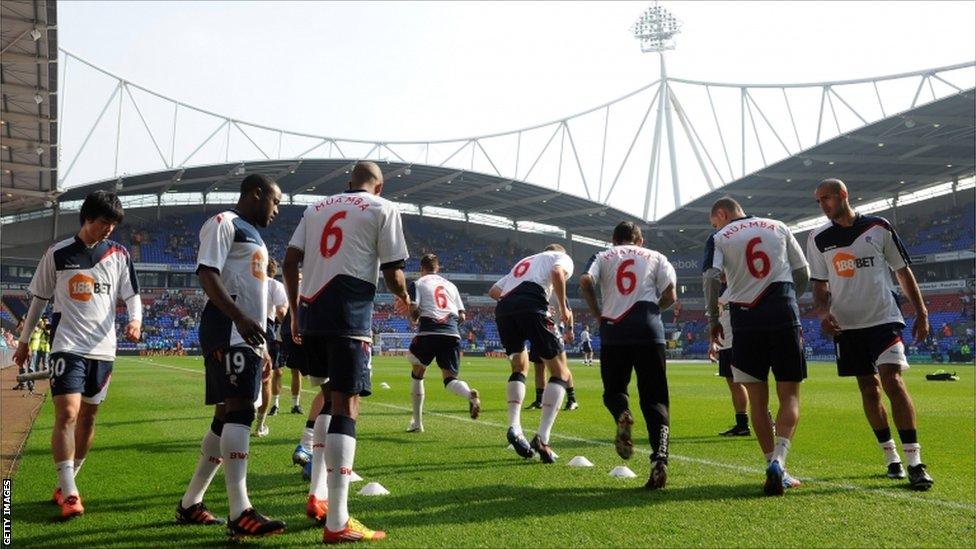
column 411, row 70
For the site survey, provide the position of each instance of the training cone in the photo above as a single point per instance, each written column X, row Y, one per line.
column 622, row 471
column 384, row 385
column 354, row 477
column 580, row 461
column 374, row 489
column 509, row 447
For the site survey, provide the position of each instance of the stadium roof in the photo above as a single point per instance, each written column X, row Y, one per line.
column 418, row 184
column 29, row 76
column 930, row 144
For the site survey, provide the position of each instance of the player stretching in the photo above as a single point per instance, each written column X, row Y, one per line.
column 765, row 271
column 438, row 308
column 85, row 275
column 586, row 346
column 232, row 268
column 342, row 241
column 851, row 257
column 636, row 284
column 522, row 314
column 721, row 351
column 271, row 388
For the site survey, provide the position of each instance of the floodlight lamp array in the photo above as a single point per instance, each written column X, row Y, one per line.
column 655, row 29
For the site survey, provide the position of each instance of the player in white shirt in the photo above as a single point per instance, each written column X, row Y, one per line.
column 437, row 308
column 522, row 313
column 721, row 351
column 539, row 366
column 851, row 260
column 232, row 267
column 85, row 275
column 586, row 346
column 635, row 285
column 343, row 242
column 765, row 270
column 271, row 386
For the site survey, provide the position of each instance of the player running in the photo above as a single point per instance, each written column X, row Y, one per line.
column 721, row 351
column 586, row 346
column 232, row 269
column 635, row 284
column 271, row 387
column 851, row 257
column 84, row 275
column 522, row 313
column 343, row 242
column 438, row 308
column 765, row 270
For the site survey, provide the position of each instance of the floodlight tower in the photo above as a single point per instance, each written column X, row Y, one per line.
column 655, row 29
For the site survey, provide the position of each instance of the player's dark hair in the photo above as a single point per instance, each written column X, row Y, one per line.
column 554, row 248
column 728, row 204
column 101, row 204
column 272, row 267
column 256, row 181
column 429, row 262
column 364, row 172
column 626, row 232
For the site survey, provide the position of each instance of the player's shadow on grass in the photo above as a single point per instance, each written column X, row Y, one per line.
column 713, row 439
column 500, row 502
column 187, row 447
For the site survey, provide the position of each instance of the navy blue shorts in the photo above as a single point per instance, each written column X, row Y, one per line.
column 534, row 357
column 72, row 374
column 586, row 347
column 755, row 352
column 859, row 352
column 537, row 329
column 725, row 362
column 345, row 362
column 234, row 372
column 445, row 349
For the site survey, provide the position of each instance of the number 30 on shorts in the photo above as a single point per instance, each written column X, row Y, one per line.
column 58, row 368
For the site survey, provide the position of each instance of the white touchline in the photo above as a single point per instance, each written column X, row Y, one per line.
column 700, row 461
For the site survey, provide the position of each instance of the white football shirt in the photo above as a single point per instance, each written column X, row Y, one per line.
column 346, row 239
column 528, row 286
column 857, row 262
column 85, row 284
column 440, row 305
column 234, row 248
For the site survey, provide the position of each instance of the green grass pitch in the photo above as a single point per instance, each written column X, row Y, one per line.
column 456, row 485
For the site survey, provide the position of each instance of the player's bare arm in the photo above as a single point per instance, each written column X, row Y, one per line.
column 589, row 295
column 30, row 322
column 821, row 300
column 668, row 298
column 289, row 272
column 495, row 293
column 397, row 284
column 210, row 281
column 712, row 284
column 565, row 313
column 909, row 286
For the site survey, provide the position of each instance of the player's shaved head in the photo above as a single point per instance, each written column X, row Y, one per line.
column 728, row 205
column 365, row 173
column 429, row 263
column 627, row 232
column 555, row 248
column 833, row 186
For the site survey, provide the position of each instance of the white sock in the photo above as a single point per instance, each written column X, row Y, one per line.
column 768, row 456
column 890, row 451
column 780, row 450
column 913, row 453
column 318, row 486
column 261, row 418
column 308, row 436
column 417, row 394
column 552, row 401
column 296, row 400
column 234, row 446
column 516, row 394
column 78, row 464
column 274, row 401
column 207, row 466
column 66, row 478
column 340, row 451
column 459, row 388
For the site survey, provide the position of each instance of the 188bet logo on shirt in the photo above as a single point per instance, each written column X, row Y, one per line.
column 846, row 264
column 81, row 287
